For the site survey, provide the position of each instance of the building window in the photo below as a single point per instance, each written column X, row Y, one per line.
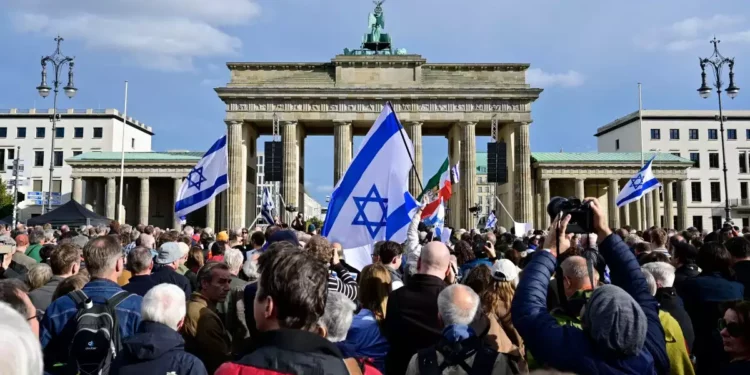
column 57, row 186
column 695, row 191
column 38, row 158
column 11, row 154
column 3, row 132
column 695, row 157
column 98, row 132
column 716, row 222
column 21, row 133
column 36, row 185
column 77, row 152
column 674, row 133
column 132, row 142
column 715, row 191
column 674, row 191
column 693, row 134
column 743, row 190
column 40, row 132
column 59, row 132
column 78, row 132
column 713, row 134
column 617, row 144
column 732, row 134
column 698, row 222
column 743, row 162
column 713, row 160
column 675, row 153
column 58, row 158
column 745, row 221
column 747, row 134
column 655, row 134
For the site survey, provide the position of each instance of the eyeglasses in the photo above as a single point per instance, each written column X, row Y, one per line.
column 244, row 232
column 30, row 318
column 733, row 328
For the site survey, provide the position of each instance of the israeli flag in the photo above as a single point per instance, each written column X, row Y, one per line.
column 437, row 220
column 266, row 208
column 491, row 221
column 371, row 202
column 207, row 179
column 642, row 183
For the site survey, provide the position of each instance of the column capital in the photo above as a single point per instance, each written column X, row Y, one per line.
column 545, row 179
column 144, row 178
column 413, row 123
column 233, row 122
column 582, row 179
column 341, row 122
column 522, row 123
column 467, row 123
column 289, row 123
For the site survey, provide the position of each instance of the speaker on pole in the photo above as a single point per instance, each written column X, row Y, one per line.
column 274, row 161
column 497, row 166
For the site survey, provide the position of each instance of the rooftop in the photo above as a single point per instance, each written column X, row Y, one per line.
column 151, row 156
column 683, row 115
column 74, row 113
column 604, row 157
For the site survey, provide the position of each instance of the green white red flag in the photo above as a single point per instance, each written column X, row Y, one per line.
column 438, row 188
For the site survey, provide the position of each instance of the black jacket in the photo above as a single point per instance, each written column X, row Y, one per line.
column 742, row 273
column 686, row 271
column 140, row 284
column 166, row 274
column 156, row 349
column 289, row 351
column 411, row 320
column 42, row 297
column 670, row 302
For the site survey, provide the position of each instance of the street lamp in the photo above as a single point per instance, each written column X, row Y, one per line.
column 717, row 61
column 58, row 61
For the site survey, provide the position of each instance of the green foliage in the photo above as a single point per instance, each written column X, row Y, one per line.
column 314, row 221
column 6, row 200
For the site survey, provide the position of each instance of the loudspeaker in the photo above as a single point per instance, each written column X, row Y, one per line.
column 497, row 168
column 273, row 162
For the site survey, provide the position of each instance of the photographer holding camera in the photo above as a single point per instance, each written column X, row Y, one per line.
column 621, row 331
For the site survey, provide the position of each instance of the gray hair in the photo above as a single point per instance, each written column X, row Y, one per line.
column 36, row 236
column 165, row 304
column 662, row 272
column 139, row 259
column 452, row 312
column 126, row 229
column 206, row 273
column 134, row 234
column 632, row 239
column 250, row 268
column 650, row 281
column 233, row 258
column 209, row 231
column 188, row 230
column 38, row 275
column 338, row 316
column 146, row 240
column 83, row 229
column 575, row 267
column 101, row 255
column 22, row 353
column 49, row 235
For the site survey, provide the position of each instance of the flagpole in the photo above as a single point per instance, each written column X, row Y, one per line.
column 411, row 158
column 120, row 210
column 642, row 202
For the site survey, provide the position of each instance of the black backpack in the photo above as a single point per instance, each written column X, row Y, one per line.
column 456, row 354
column 96, row 340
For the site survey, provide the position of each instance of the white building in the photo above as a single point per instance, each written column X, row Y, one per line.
column 312, row 207
column 27, row 134
column 693, row 135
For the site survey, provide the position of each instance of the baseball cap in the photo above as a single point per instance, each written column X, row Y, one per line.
column 222, row 236
column 504, row 270
column 168, row 253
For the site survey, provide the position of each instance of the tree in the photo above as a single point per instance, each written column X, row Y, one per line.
column 314, row 221
column 6, row 200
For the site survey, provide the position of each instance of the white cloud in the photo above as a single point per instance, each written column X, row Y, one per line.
column 539, row 78
column 694, row 32
column 160, row 34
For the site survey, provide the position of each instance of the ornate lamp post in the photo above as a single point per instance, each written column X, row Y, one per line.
column 716, row 61
column 58, row 61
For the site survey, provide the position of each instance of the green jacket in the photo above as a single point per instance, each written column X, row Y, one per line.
column 33, row 251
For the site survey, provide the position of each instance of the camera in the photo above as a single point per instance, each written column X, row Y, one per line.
column 581, row 214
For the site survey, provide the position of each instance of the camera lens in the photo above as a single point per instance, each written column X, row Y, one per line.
column 556, row 205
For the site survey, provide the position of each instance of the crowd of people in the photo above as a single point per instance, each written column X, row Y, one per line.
column 141, row 300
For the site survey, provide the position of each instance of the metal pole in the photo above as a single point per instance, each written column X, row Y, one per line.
column 52, row 146
column 120, row 210
column 15, row 188
column 641, row 202
column 724, row 157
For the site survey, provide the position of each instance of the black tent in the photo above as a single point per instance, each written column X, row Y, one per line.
column 71, row 214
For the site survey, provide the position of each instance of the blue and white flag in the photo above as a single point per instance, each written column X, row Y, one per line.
column 437, row 219
column 642, row 183
column 207, row 179
column 491, row 221
column 266, row 207
column 371, row 202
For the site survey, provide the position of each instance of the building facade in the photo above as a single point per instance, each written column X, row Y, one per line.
column 26, row 134
column 693, row 135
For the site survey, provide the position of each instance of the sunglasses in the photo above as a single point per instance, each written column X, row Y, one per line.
column 734, row 329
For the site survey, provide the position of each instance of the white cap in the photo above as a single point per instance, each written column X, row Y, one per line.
column 504, row 270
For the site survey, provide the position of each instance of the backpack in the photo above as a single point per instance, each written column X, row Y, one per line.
column 361, row 366
column 96, row 340
column 456, row 354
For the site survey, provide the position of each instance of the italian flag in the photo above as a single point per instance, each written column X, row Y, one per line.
column 440, row 186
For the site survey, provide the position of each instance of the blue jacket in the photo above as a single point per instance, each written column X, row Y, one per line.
column 543, row 335
column 140, row 285
column 367, row 340
column 156, row 349
column 468, row 266
column 58, row 324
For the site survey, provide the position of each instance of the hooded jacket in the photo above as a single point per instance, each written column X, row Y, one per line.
column 156, row 349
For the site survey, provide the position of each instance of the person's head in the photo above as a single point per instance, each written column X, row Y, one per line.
column 22, row 242
column 464, row 252
column 71, row 283
column 662, row 272
column 684, row 253
column 713, row 257
column 140, row 261
column 22, row 353
column 576, row 275
column 642, row 247
column 65, row 260
column 103, row 256
column 257, row 239
column 146, row 240
column 49, row 235
column 36, row 237
column 739, row 248
column 14, row 293
column 38, row 275
column 319, row 248
column 339, row 312
column 195, row 258
column 434, row 260
column 457, row 305
column 614, row 321
column 213, row 280
column 374, row 287
column 658, row 237
column 623, row 233
column 654, row 256
column 234, row 259
column 188, row 231
column 168, row 236
column 490, row 237
column 735, row 330
column 479, row 279
column 650, row 281
column 292, row 289
column 218, row 248
column 632, row 240
column 165, row 304
column 170, row 254
column 235, row 237
column 390, row 254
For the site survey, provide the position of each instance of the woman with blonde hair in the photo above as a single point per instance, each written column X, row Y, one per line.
column 365, row 336
column 497, row 298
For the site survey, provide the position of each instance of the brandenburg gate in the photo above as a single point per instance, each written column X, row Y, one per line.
column 344, row 96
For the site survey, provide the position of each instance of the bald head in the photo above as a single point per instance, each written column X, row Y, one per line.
column 576, row 275
column 434, row 259
column 458, row 304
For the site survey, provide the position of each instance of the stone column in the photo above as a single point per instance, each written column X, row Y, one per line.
column 414, row 130
column 637, row 224
column 342, row 148
column 468, row 177
column 614, row 217
column 544, row 201
column 236, row 191
column 454, row 154
column 656, row 211
column 580, row 188
column 143, row 213
column 682, row 199
column 177, row 182
column 211, row 214
column 625, row 215
column 77, row 190
column 668, row 205
column 251, row 169
column 649, row 213
column 290, row 179
column 111, row 197
column 301, row 135
column 523, row 205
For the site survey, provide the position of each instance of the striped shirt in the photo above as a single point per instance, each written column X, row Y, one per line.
column 344, row 283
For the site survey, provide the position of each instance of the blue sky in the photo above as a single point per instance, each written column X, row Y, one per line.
column 588, row 55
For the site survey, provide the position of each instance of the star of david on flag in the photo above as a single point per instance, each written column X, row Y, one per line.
column 639, row 185
column 207, row 179
column 371, row 202
column 195, row 178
